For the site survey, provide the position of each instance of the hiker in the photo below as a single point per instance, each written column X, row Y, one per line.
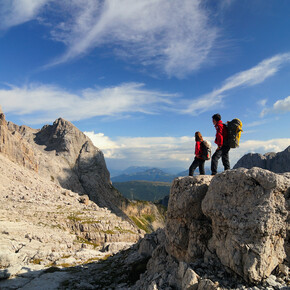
column 222, row 142
column 198, row 160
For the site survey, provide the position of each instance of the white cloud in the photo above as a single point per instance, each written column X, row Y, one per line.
column 279, row 107
column 53, row 102
column 170, row 151
column 15, row 12
column 175, row 37
column 251, row 77
column 282, row 106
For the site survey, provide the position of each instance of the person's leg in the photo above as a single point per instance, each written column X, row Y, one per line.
column 201, row 167
column 193, row 166
column 225, row 157
column 214, row 161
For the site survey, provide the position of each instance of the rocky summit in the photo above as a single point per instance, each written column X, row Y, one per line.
column 276, row 162
column 68, row 157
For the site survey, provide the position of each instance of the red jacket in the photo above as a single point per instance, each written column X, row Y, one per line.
column 198, row 151
column 221, row 134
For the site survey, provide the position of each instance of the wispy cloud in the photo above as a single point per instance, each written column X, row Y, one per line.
column 176, row 37
column 251, row 77
column 15, row 12
column 279, row 107
column 170, row 151
column 53, row 102
column 150, row 32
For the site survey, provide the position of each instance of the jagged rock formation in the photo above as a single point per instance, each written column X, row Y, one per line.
column 68, row 157
column 276, row 162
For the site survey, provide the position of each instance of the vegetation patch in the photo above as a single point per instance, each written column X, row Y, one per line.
column 74, row 217
column 143, row 225
column 87, row 242
column 149, row 218
column 36, row 261
column 124, row 231
column 109, row 232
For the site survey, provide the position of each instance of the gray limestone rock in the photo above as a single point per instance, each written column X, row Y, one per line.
column 248, row 213
column 276, row 162
column 187, row 228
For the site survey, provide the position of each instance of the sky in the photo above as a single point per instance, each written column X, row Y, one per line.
column 141, row 77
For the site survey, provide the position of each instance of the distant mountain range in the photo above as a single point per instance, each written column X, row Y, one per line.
column 143, row 190
column 137, row 169
column 151, row 174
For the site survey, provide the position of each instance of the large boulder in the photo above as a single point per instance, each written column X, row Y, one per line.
column 187, row 228
column 248, row 210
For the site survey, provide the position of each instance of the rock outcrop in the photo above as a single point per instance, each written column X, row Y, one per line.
column 187, row 228
column 229, row 231
column 248, row 210
column 68, row 157
column 276, row 162
column 15, row 147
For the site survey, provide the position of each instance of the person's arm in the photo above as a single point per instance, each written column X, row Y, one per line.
column 219, row 136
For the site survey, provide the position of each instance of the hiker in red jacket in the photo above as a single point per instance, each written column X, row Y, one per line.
column 221, row 139
column 198, row 160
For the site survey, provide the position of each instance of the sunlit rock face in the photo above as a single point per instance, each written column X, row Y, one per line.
column 248, row 210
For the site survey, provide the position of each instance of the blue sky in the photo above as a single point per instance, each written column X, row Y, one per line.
column 140, row 77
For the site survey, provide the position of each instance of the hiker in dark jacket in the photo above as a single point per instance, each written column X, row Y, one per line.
column 198, row 160
column 223, row 148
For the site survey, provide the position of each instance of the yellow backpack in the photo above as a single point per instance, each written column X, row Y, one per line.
column 234, row 128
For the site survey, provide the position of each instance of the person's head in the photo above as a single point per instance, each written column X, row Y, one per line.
column 198, row 136
column 216, row 118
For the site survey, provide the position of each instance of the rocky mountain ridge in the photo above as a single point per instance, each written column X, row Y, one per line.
column 276, row 162
column 68, row 157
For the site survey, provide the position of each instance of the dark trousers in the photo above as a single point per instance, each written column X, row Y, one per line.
column 196, row 162
column 222, row 153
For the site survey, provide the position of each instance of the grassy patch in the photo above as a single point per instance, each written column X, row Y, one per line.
column 124, row 231
column 149, row 218
column 109, row 232
column 140, row 224
column 74, row 217
column 87, row 242
column 36, row 261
